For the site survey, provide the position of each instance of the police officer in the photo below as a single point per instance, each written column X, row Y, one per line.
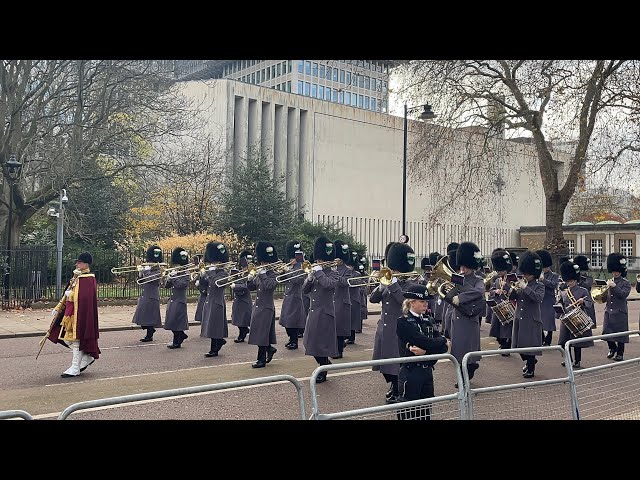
column 417, row 335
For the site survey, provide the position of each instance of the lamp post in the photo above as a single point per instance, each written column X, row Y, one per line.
column 59, row 214
column 13, row 168
column 426, row 114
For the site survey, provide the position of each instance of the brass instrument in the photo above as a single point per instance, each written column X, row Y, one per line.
column 488, row 280
column 136, row 268
column 440, row 274
column 372, row 278
column 163, row 273
column 287, row 274
column 307, row 267
column 244, row 275
column 600, row 293
column 384, row 276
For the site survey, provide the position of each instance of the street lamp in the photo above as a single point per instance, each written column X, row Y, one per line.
column 59, row 214
column 12, row 172
column 426, row 114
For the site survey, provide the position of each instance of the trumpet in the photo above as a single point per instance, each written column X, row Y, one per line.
column 244, row 275
column 135, row 268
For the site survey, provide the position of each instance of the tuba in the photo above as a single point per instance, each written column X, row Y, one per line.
column 488, row 280
column 440, row 275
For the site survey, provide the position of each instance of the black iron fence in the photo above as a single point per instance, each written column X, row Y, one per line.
column 32, row 276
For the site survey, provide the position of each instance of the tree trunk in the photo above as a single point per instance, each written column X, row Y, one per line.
column 554, row 241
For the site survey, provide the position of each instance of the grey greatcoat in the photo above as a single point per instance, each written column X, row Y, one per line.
column 498, row 330
column 292, row 311
column 448, row 314
column 547, row 313
column 616, row 312
column 147, row 312
column 587, row 282
column 364, row 299
column 465, row 331
column 527, row 327
column 320, row 330
column 356, row 305
column 263, row 318
column 385, row 344
column 202, row 288
column 176, row 314
column 578, row 293
column 439, row 307
column 306, row 300
column 241, row 308
column 342, row 302
column 214, row 313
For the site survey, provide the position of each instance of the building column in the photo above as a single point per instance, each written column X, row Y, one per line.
column 305, row 174
column 240, row 128
column 255, row 126
column 280, row 141
column 293, row 157
column 267, row 134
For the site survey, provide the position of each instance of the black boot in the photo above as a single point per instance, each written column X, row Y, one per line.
column 270, row 353
column 394, row 393
column 262, row 356
column 149, row 336
column 177, row 340
column 214, row 347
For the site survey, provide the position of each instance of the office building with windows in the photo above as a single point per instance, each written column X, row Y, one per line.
column 358, row 83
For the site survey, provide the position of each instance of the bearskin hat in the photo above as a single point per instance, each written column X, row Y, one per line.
column 515, row 259
column 342, row 250
column 569, row 271
column 434, row 257
column 468, row 254
column 324, row 250
column 216, row 252
column 451, row 254
column 179, row 256
column 245, row 258
column 386, row 249
column 616, row 263
column 425, row 263
column 564, row 258
column 452, row 246
column 401, row 258
column 582, row 261
column 501, row 261
column 266, row 252
column 292, row 247
column 545, row 257
column 154, row 254
column 530, row 263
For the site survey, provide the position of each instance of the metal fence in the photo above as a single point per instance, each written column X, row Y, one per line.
column 7, row 414
column 607, row 392
column 443, row 407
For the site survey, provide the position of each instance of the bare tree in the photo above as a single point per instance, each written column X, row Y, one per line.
column 584, row 110
column 64, row 118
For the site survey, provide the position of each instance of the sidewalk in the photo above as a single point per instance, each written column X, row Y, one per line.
column 35, row 323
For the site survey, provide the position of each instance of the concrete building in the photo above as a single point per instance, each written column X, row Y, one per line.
column 594, row 240
column 344, row 165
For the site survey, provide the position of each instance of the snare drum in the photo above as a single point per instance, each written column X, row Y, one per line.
column 504, row 311
column 577, row 321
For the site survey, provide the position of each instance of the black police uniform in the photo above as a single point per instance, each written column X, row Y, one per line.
column 416, row 379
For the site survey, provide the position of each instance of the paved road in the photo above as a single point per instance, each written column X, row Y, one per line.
column 128, row 366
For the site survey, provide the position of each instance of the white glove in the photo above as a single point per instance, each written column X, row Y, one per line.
column 68, row 293
column 310, row 277
column 522, row 284
column 263, row 270
column 233, row 285
column 542, row 276
column 147, row 268
column 456, row 300
column 197, row 283
column 317, row 268
column 173, row 273
column 211, row 269
column 250, row 277
column 54, row 312
column 611, row 283
column 140, row 268
column 394, row 280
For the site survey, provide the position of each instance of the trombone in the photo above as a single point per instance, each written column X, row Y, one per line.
column 244, row 274
column 383, row 276
column 306, row 269
column 163, row 273
column 135, row 268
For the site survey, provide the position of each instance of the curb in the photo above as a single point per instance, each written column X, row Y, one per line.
column 122, row 328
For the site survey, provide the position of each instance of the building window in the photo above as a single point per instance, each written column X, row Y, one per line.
column 321, row 71
column 314, row 90
column 571, row 246
column 348, row 98
column 366, row 103
column 273, row 71
column 300, row 66
column 289, row 86
column 360, row 81
column 373, row 103
column 626, row 248
column 341, row 97
column 348, row 78
column 307, row 88
column 335, row 74
column 328, row 73
column 314, row 69
column 320, row 92
column 596, row 253
column 341, row 76
column 253, row 77
column 268, row 74
column 300, row 87
column 278, row 71
column 367, row 83
column 290, row 69
column 335, row 96
column 354, row 99
column 307, row 67
column 327, row 94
